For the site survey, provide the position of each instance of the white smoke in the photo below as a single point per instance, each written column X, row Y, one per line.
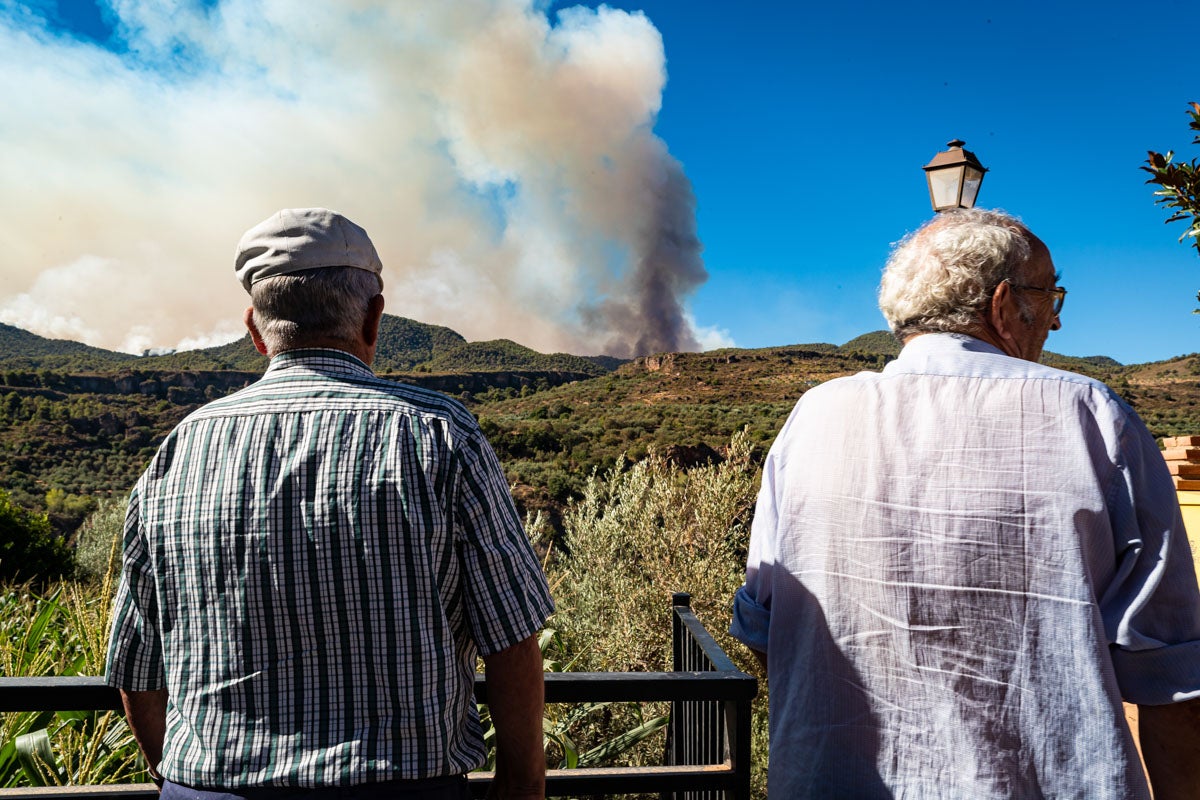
column 504, row 164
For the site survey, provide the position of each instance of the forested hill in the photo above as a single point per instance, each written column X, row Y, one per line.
column 84, row 421
column 883, row 343
column 20, row 349
column 405, row 345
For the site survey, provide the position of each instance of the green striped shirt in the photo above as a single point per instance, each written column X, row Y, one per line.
column 310, row 567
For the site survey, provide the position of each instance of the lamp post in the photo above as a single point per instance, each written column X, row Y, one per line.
column 954, row 177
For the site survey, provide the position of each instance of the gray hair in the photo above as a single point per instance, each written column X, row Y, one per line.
column 942, row 276
column 328, row 303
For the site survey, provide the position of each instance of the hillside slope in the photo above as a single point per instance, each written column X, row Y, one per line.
column 22, row 350
column 405, row 345
column 551, row 427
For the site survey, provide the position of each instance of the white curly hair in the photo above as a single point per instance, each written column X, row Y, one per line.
column 942, row 276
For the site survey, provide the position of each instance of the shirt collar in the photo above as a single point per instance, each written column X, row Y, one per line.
column 325, row 360
column 932, row 344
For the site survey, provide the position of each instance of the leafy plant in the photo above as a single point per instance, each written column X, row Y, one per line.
column 560, row 728
column 76, row 748
column 98, row 541
column 1179, row 184
column 62, row 632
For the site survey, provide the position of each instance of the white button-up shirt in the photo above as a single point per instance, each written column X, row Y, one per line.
column 958, row 568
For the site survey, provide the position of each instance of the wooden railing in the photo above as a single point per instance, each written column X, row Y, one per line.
column 708, row 740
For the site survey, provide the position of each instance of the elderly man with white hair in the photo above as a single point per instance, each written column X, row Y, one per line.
column 960, row 566
column 312, row 564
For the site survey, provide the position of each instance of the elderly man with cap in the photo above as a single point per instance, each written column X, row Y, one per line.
column 312, row 564
column 958, row 567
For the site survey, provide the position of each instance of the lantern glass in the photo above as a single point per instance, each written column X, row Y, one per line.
column 970, row 191
column 944, row 186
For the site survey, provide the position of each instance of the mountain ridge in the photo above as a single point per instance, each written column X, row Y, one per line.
column 405, row 345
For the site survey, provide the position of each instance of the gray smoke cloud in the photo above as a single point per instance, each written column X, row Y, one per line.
column 504, row 163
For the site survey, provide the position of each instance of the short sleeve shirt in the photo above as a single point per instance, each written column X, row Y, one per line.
column 311, row 566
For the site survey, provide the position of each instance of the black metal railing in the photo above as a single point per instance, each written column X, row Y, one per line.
column 703, row 732
column 708, row 739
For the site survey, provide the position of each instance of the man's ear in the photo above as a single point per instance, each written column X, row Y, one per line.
column 255, row 336
column 370, row 330
column 1004, row 313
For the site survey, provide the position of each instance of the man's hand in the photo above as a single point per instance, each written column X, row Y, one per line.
column 516, row 699
column 1170, row 737
column 147, row 716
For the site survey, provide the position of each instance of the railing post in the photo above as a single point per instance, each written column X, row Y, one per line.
column 678, row 639
column 676, row 737
column 737, row 722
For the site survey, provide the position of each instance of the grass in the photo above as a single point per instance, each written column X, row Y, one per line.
column 61, row 631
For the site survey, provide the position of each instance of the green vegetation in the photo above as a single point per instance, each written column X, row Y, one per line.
column 552, row 419
column 24, row 350
column 1179, row 184
column 28, row 547
column 500, row 354
column 98, row 542
column 62, row 630
column 83, row 443
column 638, row 533
column 877, row 342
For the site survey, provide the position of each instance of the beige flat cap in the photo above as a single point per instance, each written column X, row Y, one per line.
column 296, row 239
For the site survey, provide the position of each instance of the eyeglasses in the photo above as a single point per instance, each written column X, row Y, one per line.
column 1060, row 294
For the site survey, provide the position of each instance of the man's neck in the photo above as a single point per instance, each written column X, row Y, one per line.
column 358, row 350
column 983, row 333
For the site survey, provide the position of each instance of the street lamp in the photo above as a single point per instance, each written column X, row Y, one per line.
column 954, row 177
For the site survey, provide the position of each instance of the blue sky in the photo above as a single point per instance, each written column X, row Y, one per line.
column 803, row 128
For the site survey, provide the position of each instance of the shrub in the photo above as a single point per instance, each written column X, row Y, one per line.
column 67, row 512
column 639, row 533
column 98, row 542
column 28, row 547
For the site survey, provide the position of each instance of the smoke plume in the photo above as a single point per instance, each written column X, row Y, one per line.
column 503, row 161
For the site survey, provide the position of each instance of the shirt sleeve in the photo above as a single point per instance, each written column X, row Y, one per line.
column 507, row 597
column 752, row 602
column 1151, row 607
column 134, row 648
